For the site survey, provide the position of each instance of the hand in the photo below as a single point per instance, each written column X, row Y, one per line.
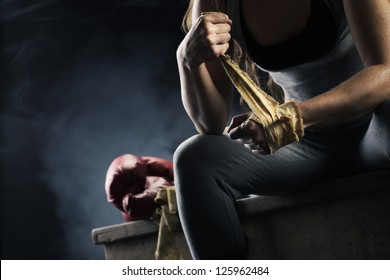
column 207, row 39
column 250, row 133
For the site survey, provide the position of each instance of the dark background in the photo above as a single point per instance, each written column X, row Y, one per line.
column 81, row 82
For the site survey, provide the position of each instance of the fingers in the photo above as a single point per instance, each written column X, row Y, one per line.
column 252, row 135
column 207, row 39
column 216, row 31
column 237, row 120
column 240, row 132
column 216, row 17
column 218, row 43
column 216, row 39
column 220, row 28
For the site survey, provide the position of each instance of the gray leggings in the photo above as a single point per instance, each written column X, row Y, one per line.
column 211, row 172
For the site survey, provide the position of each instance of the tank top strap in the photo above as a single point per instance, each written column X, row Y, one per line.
column 337, row 9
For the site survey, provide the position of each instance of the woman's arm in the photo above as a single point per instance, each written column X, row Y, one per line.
column 205, row 88
column 369, row 22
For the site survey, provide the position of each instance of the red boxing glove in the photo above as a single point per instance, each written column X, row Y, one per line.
column 132, row 183
column 141, row 206
column 159, row 167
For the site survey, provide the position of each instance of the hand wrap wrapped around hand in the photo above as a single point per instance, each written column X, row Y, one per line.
column 282, row 123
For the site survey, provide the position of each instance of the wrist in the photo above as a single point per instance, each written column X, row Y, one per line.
column 186, row 62
column 186, row 58
column 306, row 115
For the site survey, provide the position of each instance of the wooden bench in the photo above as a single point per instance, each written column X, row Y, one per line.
column 347, row 218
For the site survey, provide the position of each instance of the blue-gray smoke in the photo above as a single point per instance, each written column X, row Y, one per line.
column 85, row 81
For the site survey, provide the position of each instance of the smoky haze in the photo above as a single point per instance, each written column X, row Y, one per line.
column 82, row 82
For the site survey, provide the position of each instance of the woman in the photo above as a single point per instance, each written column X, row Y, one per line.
column 331, row 56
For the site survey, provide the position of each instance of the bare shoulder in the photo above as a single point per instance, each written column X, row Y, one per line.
column 369, row 22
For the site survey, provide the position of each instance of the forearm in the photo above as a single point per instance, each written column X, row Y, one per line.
column 207, row 105
column 352, row 99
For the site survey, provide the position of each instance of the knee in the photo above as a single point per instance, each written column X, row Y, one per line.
column 188, row 164
column 199, row 154
column 190, row 151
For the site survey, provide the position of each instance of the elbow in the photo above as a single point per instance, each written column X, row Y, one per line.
column 382, row 73
column 381, row 63
column 378, row 80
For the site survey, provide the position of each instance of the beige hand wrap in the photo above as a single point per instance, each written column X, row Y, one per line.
column 282, row 123
column 167, row 249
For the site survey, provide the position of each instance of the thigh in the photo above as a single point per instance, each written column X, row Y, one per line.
column 218, row 158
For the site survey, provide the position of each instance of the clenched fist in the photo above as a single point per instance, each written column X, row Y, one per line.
column 207, row 39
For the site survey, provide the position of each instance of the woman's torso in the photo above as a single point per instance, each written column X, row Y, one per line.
column 309, row 50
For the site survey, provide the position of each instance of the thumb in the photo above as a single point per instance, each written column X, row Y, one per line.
column 240, row 131
column 237, row 120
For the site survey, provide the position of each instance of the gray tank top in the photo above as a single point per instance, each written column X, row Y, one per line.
column 312, row 78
